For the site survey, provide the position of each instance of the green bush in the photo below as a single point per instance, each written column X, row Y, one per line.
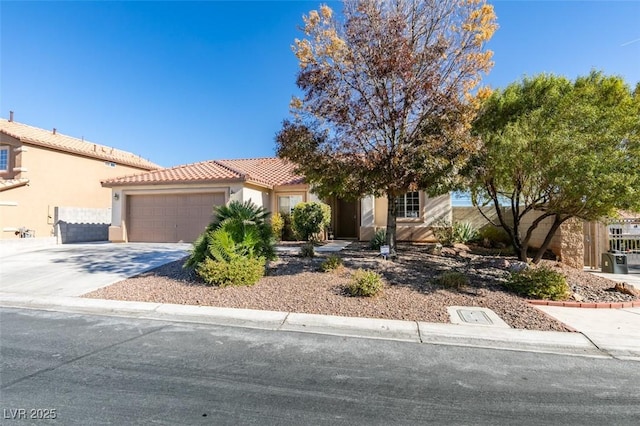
column 287, row 232
column 309, row 219
column 464, row 232
column 238, row 271
column 364, row 283
column 277, row 225
column 379, row 239
column 332, row 263
column 307, row 250
column 453, row 280
column 539, row 283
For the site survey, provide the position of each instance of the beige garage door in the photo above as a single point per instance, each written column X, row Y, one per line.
column 169, row 218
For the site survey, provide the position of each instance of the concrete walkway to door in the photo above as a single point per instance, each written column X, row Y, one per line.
column 76, row 269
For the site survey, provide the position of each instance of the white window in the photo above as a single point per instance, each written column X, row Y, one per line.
column 286, row 203
column 4, row 158
column 408, row 205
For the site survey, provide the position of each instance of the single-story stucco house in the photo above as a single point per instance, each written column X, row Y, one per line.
column 176, row 204
column 42, row 170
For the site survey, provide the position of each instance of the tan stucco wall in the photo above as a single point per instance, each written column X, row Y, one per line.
column 55, row 179
column 419, row 229
column 302, row 190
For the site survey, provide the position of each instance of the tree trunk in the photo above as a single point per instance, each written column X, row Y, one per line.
column 391, row 224
column 557, row 221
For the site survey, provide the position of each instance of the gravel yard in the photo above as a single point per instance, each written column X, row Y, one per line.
column 294, row 284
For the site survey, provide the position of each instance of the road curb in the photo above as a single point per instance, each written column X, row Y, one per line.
column 563, row 343
column 589, row 305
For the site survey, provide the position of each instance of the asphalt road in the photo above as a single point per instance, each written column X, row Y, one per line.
column 90, row 370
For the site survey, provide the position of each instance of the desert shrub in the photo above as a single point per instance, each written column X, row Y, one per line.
column 238, row 271
column 309, row 219
column 277, row 225
column 453, row 280
column 332, row 263
column 443, row 231
column 364, row 283
column 378, row 240
column 307, row 250
column 539, row 283
column 464, row 232
column 460, row 232
column 494, row 235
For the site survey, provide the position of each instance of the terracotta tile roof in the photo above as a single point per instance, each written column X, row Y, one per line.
column 60, row 142
column 12, row 183
column 206, row 171
column 266, row 172
column 272, row 171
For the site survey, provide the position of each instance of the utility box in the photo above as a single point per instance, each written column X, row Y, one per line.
column 614, row 263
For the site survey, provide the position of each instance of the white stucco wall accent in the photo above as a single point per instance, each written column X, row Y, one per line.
column 367, row 211
column 259, row 197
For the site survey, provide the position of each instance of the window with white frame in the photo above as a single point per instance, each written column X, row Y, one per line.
column 286, row 203
column 4, row 158
column 408, row 205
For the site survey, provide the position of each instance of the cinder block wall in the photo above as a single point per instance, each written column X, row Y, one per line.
column 77, row 224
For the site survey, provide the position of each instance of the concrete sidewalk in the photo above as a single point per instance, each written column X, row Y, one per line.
column 616, row 331
column 514, row 339
column 575, row 344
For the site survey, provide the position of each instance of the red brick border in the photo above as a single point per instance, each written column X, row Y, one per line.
column 598, row 305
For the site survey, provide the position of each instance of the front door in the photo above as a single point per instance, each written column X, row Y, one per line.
column 347, row 219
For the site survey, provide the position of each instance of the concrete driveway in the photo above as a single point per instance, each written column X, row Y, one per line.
column 76, row 269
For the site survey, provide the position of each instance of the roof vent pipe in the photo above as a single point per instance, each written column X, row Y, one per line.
column 10, row 116
column 54, row 130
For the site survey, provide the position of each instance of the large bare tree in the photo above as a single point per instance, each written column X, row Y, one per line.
column 389, row 95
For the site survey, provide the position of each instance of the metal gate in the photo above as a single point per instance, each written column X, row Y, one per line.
column 624, row 237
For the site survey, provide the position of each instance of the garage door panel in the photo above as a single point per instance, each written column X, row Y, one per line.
column 170, row 217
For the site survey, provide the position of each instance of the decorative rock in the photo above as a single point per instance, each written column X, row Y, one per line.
column 461, row 247
column 501, row 263
column 577, row 297
column 518, row 266
column 447, row 251
column 626, row 289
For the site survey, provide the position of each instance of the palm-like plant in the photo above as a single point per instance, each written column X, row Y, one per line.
column 239, row 229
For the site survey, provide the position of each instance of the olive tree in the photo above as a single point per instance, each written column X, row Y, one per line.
column 561, row 149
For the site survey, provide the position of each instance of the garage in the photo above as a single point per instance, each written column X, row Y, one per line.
column 170, row 218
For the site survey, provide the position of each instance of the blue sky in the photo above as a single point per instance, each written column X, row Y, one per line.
column 181, row 82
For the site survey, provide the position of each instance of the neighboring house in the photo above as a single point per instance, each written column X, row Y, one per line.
column 176, row 204
column 43, row 169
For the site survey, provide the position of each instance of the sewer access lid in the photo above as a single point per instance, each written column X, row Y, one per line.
column 474, row 317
